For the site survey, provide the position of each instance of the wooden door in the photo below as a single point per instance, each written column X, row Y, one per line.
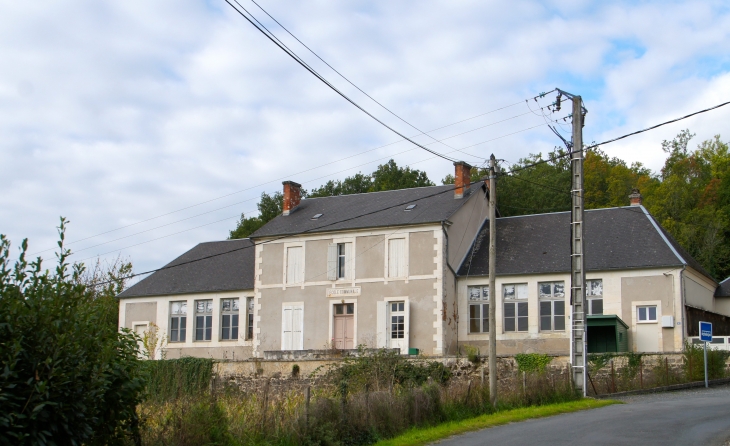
column 344, row 326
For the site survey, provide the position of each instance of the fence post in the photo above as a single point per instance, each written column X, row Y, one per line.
column 308, row 395
column 524, row 383
column 613, row 377
column 468, row 391
column 265, row 405
column 367, row 404
column 641, row 373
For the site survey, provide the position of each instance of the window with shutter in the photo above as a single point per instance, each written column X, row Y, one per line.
column 397, row 257
column 294, row 265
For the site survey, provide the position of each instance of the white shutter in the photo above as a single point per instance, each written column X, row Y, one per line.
column 407, row 323
column 286, row 329
column 381, row 327
column 348, row 261
column 294, row 265
column 297, row 329
column 396, row 257
column 332, row 261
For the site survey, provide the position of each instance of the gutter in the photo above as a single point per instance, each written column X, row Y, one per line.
column 661, row 234
column 446, row 242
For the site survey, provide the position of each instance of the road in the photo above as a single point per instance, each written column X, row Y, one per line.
column 690, row 417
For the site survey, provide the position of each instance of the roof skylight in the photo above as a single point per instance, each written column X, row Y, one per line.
column 316, row 216
column 410, row 207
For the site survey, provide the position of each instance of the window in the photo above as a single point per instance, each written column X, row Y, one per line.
column 178, row 321
column 397, row 258
column 203, row 320
column 397, row 320
column 478, row 308
column 594, row 294
column 552, row 306
column 647, row 313
column 515, row 307
column 339, row 261
column 249, row 326
column 294, row 265
column 292, row 336
column 229, row 319
column 344, row 308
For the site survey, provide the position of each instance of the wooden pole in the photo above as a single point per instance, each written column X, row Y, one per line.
column 492, row 281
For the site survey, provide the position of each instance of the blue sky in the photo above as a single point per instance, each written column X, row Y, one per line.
column 173, row 117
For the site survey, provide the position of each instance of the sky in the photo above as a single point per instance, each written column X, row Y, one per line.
column 151, row 126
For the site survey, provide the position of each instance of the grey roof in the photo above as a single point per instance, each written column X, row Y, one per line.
column 615, row 238
column 375, row 209
column 724, row 289
column 224, row 266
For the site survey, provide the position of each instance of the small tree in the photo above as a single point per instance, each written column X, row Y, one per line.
column 68, row 375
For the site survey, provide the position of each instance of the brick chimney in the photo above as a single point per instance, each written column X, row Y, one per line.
column 462, row 178
column 292, row 196
column 635, row 197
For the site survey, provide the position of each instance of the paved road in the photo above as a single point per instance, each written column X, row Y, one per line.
column 690, row 417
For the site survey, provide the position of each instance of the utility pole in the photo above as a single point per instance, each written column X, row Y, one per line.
column 578, row 336
column 492, row 281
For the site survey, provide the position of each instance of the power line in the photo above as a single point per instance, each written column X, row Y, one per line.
column 620, row 137
column 410, row 201
column 299, row 173
column 308, row 181
column 293, row 55
column 345, row 78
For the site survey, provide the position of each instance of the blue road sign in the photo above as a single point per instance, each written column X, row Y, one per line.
column 706, row 331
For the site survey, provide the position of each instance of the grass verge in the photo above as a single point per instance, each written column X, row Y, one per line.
column 420, row 436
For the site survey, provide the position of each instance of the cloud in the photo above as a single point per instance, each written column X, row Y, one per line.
column 111, row 114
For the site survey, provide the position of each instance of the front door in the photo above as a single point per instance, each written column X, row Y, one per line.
column 398, row 326
column 344, row 326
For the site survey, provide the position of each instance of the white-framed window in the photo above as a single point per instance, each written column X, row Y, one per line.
column 397, row 320
column 397, row 257
column 594, row 295
column 292, row 335
column 339, row 261
column 646, row 313
column 203, row 320
column 478, row 308
column 294, row 265
column 552, row 305
column 178, row 321
column 515, row 307
column 229, row 319
column 249, row 318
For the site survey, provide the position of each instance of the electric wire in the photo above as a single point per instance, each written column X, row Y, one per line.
column 409, row 201
column 253, row 198
column 348, row 80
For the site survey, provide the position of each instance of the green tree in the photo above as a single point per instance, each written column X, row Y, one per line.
column 269, row 207
column 69, row 376
column 389, row 176
column 356, row 184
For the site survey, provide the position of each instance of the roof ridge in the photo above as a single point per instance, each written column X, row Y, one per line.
column 377, row 192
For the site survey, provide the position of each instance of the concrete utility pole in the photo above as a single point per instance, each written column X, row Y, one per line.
column 492, row 281
column 578, row 324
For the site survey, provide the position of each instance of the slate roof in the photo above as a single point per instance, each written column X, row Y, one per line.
column 370, row 210
column 724, row 289
column 230, row 268
column 615, row 238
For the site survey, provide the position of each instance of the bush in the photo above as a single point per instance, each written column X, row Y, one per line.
column 69, row 376
column 532, row 362
column 169, row 379
column 694, row 356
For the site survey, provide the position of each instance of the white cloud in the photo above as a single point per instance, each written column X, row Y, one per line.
column 111, row 114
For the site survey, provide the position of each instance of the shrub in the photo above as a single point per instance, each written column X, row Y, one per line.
column 532, row 362
column 69, row 376
column 694, row 356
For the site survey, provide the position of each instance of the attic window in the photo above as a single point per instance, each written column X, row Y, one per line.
column 316, row 216
column 410, row 207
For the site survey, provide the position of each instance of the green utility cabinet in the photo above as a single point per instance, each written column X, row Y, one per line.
column 607, row 333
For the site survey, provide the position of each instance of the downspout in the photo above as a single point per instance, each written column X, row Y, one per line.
column 456, row 297
column 683, row 301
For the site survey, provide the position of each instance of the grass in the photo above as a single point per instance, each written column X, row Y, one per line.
column 420, row 436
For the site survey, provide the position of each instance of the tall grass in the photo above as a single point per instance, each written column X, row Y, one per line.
column 170, row 379
column 357, row 402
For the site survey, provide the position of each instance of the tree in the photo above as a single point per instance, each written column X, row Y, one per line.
column 269, row 207
column 389, row 176
column 69, row 375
